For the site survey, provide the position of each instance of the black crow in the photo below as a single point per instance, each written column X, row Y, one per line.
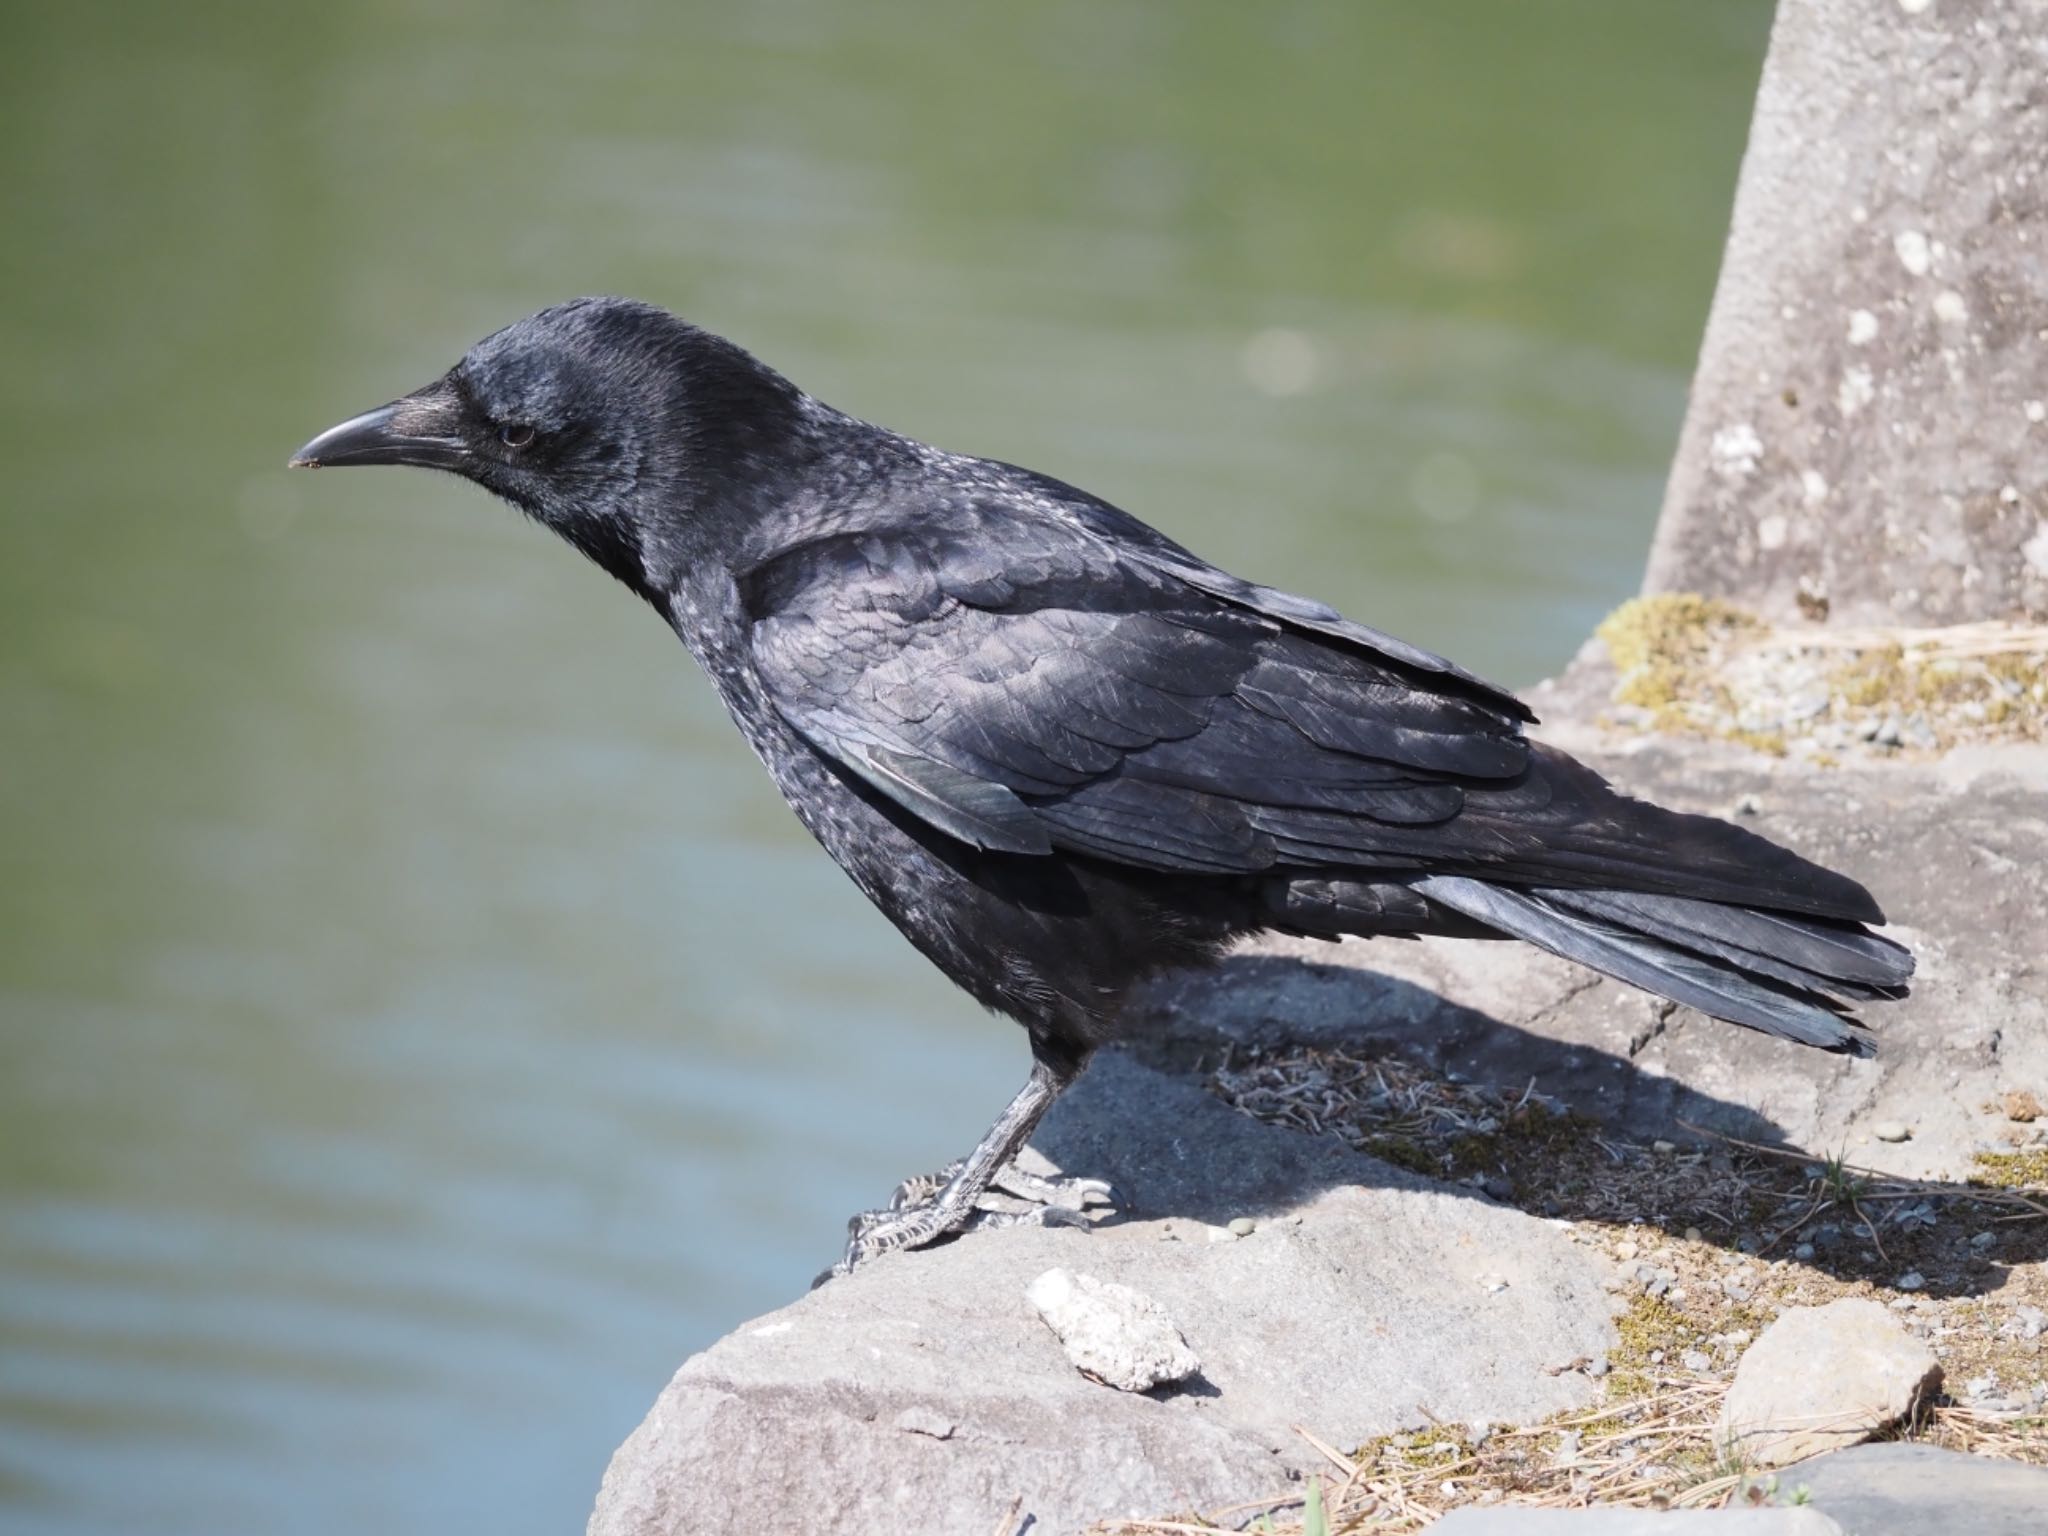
column 1061, row 752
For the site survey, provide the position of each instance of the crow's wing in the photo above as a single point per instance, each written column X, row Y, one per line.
column 1142, row 542
column 1030, row 685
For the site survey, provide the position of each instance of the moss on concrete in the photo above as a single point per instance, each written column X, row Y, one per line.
column 1700, row 666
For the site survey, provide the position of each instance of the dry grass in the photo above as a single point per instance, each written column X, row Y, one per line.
column 1708, row 1244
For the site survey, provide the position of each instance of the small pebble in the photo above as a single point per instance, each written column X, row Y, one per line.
column 1663, row 1148
column 1696, row 1360
column 1803, row 1253
column 1888, row 733
column 1626, row 1250
column 1692, row 1234
column 1911, row 1280
column 1242, row 1226
column 1656, row 1357
column 1892, row 1130
column 1492, row 1283
column 1599, row 1368
column 1984, row 1240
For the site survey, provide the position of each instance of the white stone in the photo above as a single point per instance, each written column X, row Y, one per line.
column 1820, row 1378
column 1855, row 391
column 1772, row 531
column 1813, row 485
column 2036, row 548
column 1914, row 256
column 1862, row 327
column 1736, row 450
column 1116, row 1334
column 1949, row 307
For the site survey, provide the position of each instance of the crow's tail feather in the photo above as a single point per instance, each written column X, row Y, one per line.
column 1783, row 974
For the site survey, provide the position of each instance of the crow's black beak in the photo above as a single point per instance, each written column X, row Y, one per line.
column 418, row 429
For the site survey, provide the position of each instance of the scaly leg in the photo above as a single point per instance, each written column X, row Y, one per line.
column 959, row 1197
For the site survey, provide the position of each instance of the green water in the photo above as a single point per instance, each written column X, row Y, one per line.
column 420, row 1024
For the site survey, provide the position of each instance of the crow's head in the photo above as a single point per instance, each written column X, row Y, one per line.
column 614, row 423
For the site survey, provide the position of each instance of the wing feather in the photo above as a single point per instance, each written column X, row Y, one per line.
column 1025, row 687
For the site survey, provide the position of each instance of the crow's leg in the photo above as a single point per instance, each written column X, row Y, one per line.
column 983, row 1189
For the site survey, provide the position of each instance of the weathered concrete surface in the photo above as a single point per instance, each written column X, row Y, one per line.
column 1911, row 1490
column 1509, row 1521
column 1956, row 849
column 1821, row 1378
column 1869, row 419
column 924, row 1393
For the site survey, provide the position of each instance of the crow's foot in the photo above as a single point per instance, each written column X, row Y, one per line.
column 1029, row 1192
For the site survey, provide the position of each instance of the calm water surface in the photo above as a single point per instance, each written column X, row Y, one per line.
column 420, row 1023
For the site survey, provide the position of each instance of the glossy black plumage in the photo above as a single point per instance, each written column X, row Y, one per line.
column 1059, row 750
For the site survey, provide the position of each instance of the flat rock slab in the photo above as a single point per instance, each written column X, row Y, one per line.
column 1956, row 849
column 1821, row 1378
column 1911, row 1490
column 923, row 1392
column 1509, row 1521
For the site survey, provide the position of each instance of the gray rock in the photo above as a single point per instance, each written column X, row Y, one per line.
column 1975, row 1028
column 1355, row 1320
column 1820, row 1378
column 1509, row 1521
column 1117, row 1334
column 1892, row 1130
column 1911, row 1490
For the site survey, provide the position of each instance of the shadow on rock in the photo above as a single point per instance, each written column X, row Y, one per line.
column 1556, row 1128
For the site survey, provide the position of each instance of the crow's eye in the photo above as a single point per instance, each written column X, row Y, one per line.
column 516, row 434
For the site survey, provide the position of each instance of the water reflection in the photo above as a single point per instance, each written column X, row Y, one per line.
column 421, row 1023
